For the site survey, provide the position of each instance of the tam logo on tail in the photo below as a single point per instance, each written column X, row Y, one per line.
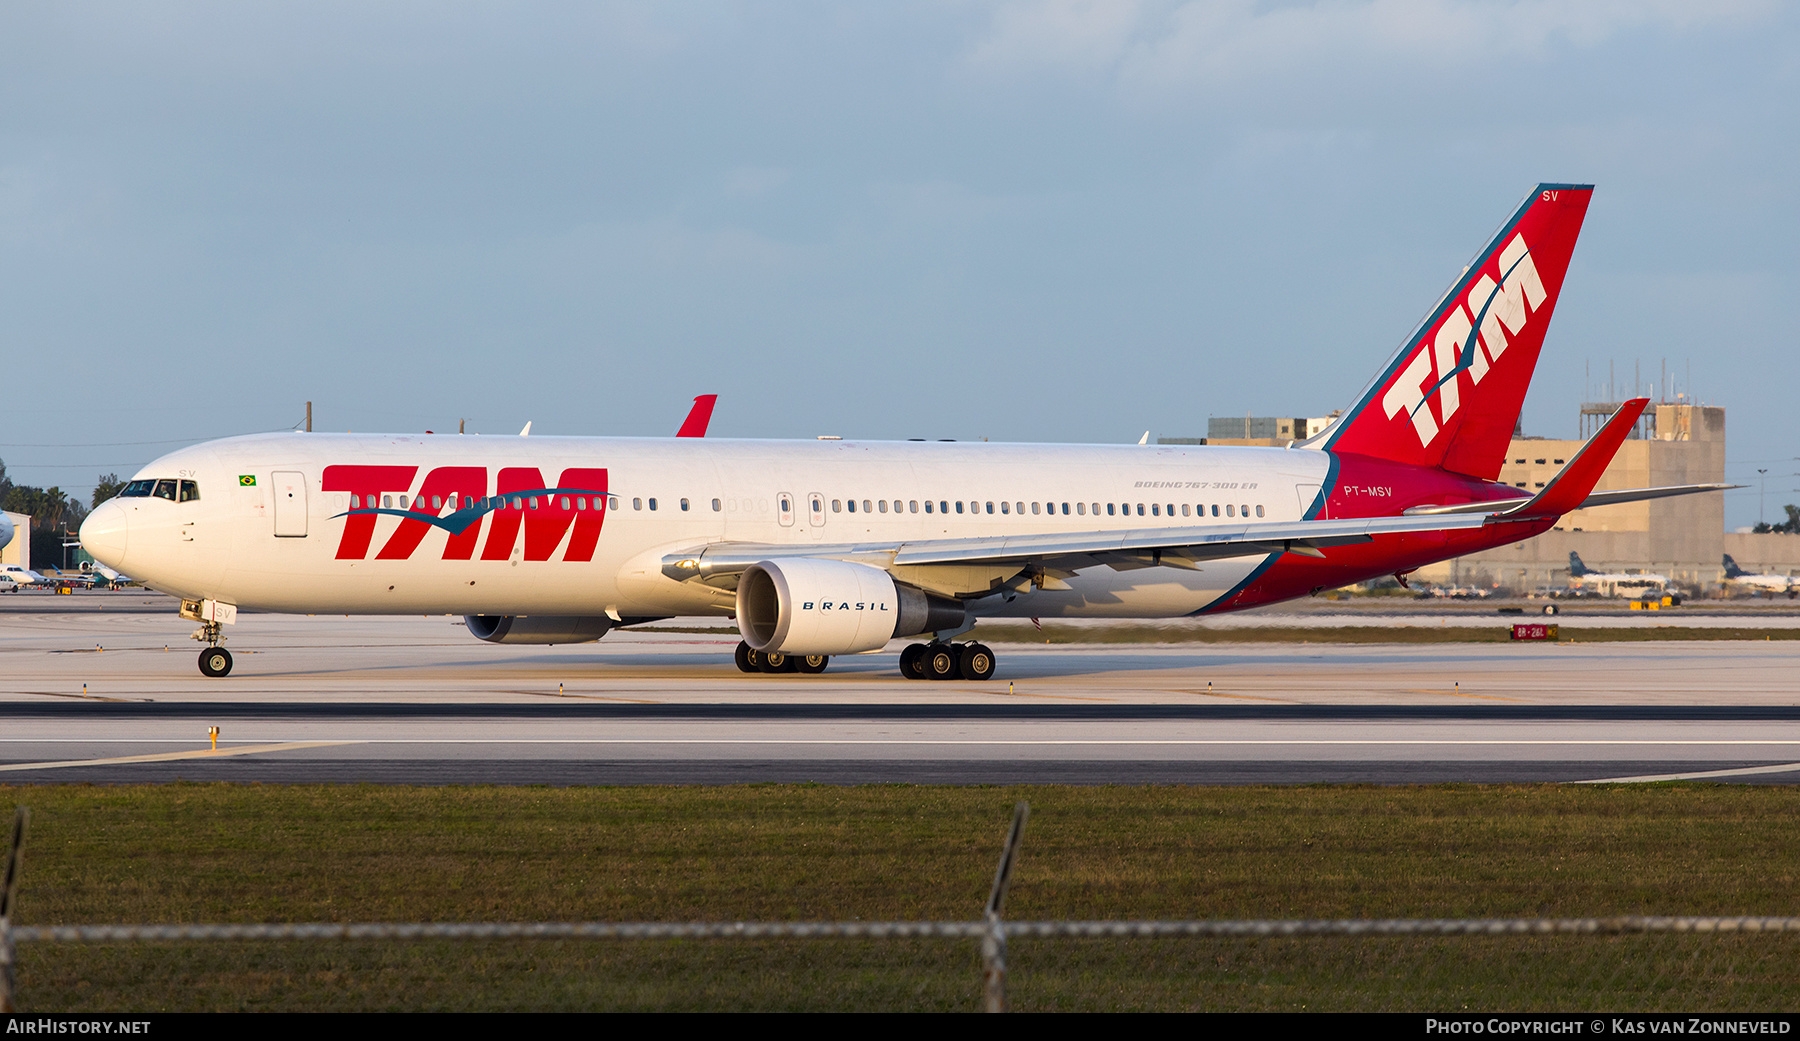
column 1451, row 396
column 1497, row 311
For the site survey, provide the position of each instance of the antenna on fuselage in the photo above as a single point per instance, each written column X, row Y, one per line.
column 527, row 431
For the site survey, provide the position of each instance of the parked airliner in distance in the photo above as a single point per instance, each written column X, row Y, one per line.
column 1742, row 579
column 1612, row 583
column 829, row 547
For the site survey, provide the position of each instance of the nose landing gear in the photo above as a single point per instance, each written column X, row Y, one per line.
column 215, row 661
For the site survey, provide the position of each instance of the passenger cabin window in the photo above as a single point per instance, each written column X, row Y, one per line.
column 684, row 505
column 715, row 506
column 653, row 504
column 638, row 504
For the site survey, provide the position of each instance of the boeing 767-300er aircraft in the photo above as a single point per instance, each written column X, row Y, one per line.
column 829, row 547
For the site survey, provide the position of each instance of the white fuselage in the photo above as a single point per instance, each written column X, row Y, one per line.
column 1773, row 583
column 1619, row 583
column 268, row 528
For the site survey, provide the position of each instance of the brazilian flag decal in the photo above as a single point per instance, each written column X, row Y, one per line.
column 247, row 480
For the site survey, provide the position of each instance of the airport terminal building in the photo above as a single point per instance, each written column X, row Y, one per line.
column 1683, row 538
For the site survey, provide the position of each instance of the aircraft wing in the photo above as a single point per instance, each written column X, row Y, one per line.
column 720, row 563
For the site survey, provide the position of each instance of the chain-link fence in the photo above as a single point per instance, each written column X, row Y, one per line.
column 1689, row 964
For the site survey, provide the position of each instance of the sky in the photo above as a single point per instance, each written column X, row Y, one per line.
column 1064, row 221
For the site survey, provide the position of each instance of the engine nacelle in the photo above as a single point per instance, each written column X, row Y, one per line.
column 808, row 605
column 540, row 628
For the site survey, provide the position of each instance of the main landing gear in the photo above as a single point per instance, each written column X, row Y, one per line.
column 920, row 661
column 766, row 661
column 947, row 661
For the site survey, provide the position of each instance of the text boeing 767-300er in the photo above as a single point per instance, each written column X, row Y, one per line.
column 828, row 547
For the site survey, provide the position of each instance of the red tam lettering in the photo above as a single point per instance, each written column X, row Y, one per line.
column 366, row 483
column 446, row 482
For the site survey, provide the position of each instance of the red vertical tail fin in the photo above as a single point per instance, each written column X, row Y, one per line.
column 1450, row 398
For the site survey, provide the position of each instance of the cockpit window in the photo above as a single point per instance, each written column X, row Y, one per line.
column 137, row 489
column 190, row 491
column 165, row 489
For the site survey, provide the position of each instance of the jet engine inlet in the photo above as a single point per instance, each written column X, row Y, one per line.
column 812, row 606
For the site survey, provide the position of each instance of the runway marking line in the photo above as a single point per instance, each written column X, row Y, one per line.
column 1461, row 694
column 1222, row 694
column 1743, row 771
column 1059, row 697
column 585, row 697
column 79, row 697
column 163, row 757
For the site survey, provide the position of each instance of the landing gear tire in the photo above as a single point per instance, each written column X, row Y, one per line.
column 1549, row 608
column 215, row 662
column 912, row 661
column 975, row 662
column 747, row 659
column 940, row 662
column 775, row 661
column 812, row 664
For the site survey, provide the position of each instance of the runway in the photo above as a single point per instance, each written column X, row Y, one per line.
column 92, row 696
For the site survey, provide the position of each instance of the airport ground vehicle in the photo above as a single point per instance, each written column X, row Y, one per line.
column 829, row 547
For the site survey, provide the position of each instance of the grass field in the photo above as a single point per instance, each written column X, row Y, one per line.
column 211, row 853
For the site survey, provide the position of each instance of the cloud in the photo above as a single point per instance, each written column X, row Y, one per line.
column 1159, row 47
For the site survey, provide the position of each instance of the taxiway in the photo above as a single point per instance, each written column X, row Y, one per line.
column 92, row 695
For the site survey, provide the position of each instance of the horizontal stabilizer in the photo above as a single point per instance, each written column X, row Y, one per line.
column 1607, row 498
column 1575, row 481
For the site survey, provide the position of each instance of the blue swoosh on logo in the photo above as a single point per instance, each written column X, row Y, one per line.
column 458, row 522
column 1466, row 360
